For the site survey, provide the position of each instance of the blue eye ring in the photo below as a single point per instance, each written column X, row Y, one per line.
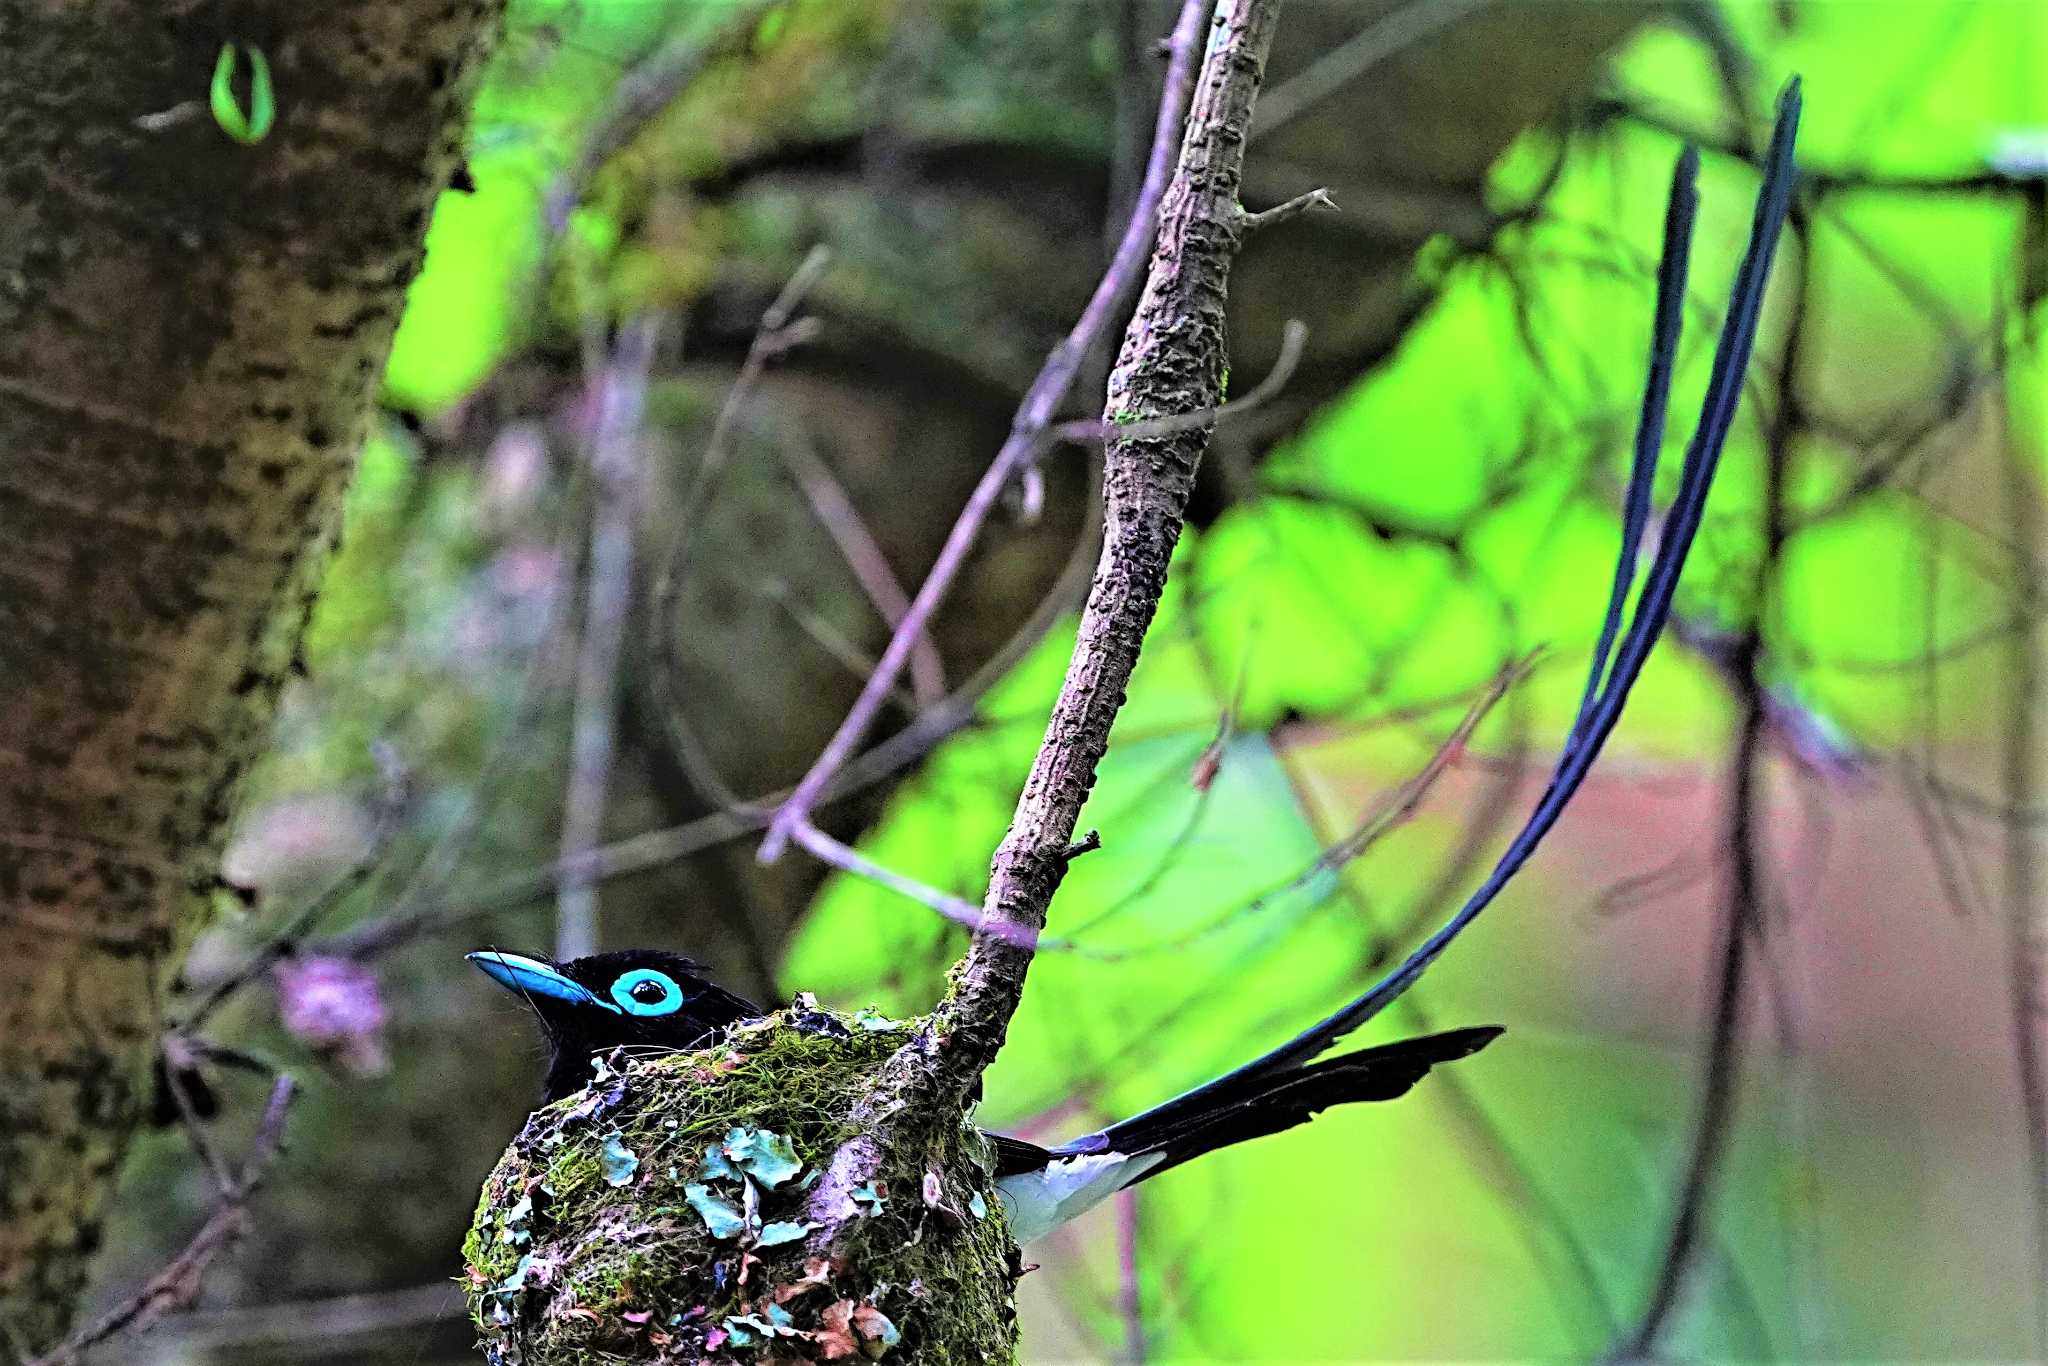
column 668, row 1002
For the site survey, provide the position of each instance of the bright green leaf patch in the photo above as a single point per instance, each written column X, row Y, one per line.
column 253, row 125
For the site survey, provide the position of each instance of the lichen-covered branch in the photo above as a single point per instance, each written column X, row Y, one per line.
column 1172, row 362
column 191, row 329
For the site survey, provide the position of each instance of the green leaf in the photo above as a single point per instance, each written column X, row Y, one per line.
column 514, row 1230
column 517, row 1280
column 246, row 128
column 719, row 1216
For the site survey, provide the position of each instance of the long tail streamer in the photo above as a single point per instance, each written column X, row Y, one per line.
column 1607, row 688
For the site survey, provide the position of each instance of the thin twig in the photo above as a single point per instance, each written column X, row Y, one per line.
column 2025, row 984
column 393, row 799
column 780, row 330
column 1745, row 855
column 1033, row 416
column 956, row 909
column 1289, row 209
column 177, row 1063
column 1557, row 1244
column 176, row 1286
column 1130, row 1290
column 641, row 95
column 1379, row 819
column 618, row 402
column 1344, row 64
column 842, row 522
column 661, row 848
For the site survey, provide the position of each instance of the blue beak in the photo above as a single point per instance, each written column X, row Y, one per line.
column 532, row 977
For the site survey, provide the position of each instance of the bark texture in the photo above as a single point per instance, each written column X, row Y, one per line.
column 1172, row 363
column 190, row 334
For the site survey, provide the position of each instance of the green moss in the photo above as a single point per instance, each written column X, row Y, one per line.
column 564, row 1266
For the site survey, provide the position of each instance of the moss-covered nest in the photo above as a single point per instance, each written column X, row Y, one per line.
column 682, row 1210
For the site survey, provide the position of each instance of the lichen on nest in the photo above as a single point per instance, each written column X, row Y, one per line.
column 674, row 1211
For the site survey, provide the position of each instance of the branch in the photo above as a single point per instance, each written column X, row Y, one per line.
column 961, row 912
column 1172, row 362
column 1746, row 855
column 177, row 1285
column 1021, row 447
column 618, row 390
column 841, row 520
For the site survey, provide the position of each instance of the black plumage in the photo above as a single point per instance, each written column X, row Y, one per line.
column 644, row 1000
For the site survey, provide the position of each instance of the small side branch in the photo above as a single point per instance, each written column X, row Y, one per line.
column 176, row 1286
column 1294, row 208
column 1027, row 432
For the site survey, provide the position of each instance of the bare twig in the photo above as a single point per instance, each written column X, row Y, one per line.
column 956, row 909
column 426, row 912
column 1290, row 209
column 1745, row 856
column 641, row 95
column 619, row 397
column 842, row 522
column 176, row 1286
column 779, row 331
column 392, row 801
column 1383, row 38
column 1130, row 1290
column 178, row 1060
column 2025, row 983
column 1381, row 817
column 1033, row 415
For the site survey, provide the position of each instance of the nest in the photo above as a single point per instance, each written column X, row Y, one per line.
column 686, row 1208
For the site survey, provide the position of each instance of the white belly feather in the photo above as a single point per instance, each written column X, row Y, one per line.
column 1039, row 1202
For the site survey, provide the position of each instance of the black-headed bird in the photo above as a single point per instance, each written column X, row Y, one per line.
column 653, row 999
column 645, row 1000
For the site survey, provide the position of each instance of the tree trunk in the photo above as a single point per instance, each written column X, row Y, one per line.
column 191, row 329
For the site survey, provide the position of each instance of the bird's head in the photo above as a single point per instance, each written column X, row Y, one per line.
column 642, row 1000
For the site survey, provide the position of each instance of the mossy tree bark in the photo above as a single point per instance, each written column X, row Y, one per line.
column 190, row 333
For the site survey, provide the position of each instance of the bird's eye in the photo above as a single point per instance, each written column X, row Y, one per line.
column 645, row 991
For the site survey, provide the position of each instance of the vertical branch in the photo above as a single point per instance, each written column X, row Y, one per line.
column 1172, row 362
column 619, row 395
column 2023, row 687
column 1130, row 1290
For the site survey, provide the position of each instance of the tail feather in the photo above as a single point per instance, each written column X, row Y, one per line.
column 1259, row 1105
column 1043, row 1188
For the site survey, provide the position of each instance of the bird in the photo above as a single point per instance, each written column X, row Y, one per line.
column 654, row 1000
column 641, row 998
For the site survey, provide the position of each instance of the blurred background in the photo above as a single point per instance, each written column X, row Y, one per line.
column 544, row 639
